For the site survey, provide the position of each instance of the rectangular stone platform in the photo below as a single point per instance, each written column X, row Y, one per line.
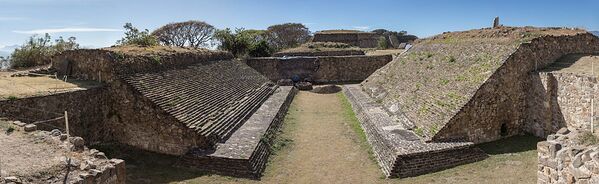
column 399, row 151
column 246, row 151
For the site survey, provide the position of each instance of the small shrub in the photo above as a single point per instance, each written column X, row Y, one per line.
column 419, row 131
column 451, row 59
column 382, row 43
column 134, row 36
column 10, row 130
column 12, row 98
column 260, row 49
column 587, row 138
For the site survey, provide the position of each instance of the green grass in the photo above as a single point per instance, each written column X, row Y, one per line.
column 354, row 124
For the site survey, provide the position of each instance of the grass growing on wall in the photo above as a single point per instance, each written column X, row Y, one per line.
column 354, row 123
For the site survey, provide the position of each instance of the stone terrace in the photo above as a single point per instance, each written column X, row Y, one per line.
column 441, row 79
column 399, row 151
column 211, row 98
column 246, row 152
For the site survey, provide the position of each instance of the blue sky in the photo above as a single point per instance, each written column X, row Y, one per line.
column 98, row 23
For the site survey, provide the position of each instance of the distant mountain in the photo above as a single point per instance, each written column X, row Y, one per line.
column 596, row 33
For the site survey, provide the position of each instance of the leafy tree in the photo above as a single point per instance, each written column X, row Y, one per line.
column 134, row 36
column 287, row 35
column 382, row 43
column 244, row 42
column 63, row 45
column 39, row 50
column 260, row 49
column 185, row 34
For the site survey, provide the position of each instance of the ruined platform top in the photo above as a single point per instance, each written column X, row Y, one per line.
column 322, row 46
column 31, row 86
column 156, row 50
column 435, row 78
column 342, row 31
column 580, row 64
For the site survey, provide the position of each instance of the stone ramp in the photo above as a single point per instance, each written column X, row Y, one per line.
column 399, row 151
column 246, row 152
column 213, row 98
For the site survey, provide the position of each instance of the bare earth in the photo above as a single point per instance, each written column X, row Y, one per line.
column 35, row 86
column 23, row 154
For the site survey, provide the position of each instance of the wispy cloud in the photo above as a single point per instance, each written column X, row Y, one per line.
column 67, row 30
column 361, row 28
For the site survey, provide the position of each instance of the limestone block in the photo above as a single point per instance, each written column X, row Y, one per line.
column 30, row 128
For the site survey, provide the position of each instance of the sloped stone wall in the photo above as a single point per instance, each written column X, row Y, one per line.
column 329, row 69
column 499, row 107
column 562, row 160
column 560, row 100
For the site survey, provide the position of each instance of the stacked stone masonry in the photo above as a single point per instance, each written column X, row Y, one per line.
column 359, row 39
column 246, row 152
column 398, row 150
column 320, row 53
column 326, row 69
column 563, row 160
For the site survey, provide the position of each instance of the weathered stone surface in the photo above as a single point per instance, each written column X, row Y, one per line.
column 304, row 86
column 30, row 128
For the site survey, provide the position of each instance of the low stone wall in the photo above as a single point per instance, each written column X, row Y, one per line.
column 562, row 160
column 399, row 152
column 320, row 53
column 246, row 152
column 359, row 39
column 561, row 100
column 328, row 69
column 86, row 110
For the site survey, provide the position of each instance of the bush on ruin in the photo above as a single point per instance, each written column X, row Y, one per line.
column 134, row 36
column 39, row 50
column 382, row 43
column 185, row 34
column 288, row 35
column 244, row 42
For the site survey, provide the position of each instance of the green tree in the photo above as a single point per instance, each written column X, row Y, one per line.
column 260, row 49
column 185, row 34
column 244, row 42
column 39, row 50
column 382, row 43
column 134, row 36
column 288, row 35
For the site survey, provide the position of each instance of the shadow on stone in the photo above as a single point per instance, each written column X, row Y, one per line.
column 328, row 89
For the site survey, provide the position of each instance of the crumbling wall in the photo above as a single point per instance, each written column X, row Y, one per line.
column 320, row 53
column 560, row 100
column 86, row 109
column 563, row 160
column 329, row 69
column 499, row 107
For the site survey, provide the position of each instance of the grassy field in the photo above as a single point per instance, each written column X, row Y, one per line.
column 300, row 157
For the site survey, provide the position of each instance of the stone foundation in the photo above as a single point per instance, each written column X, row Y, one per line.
column 398, row 150
column 329, row 69
column 562, row 160
column 246, row 152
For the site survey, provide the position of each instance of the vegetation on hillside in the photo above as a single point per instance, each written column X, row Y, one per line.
column 191, row 33
column 134, row 36
column 38, row 50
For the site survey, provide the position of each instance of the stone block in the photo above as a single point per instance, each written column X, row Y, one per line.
column 30, row 128
column 19, row 123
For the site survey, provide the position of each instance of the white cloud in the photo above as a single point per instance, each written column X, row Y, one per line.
column 361, row 28
column 68, row 30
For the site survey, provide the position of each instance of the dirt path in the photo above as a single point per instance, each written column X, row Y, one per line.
column 324, row 147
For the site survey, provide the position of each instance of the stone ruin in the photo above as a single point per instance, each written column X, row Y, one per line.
column 425, row 110
column 200, row 105
column 355, row 38
column 55, row 153
column 213, row 111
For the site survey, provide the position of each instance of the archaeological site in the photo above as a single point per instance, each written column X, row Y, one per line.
column 422, row 106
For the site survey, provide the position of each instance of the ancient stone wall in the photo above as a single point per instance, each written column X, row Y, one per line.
column 136, row 121
column 562, row 160
column 359, row 39
column 328, row 69
column 560, row 100
column 320, row 53
column 86, row 110
column 105, row 65
column 499, row 106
